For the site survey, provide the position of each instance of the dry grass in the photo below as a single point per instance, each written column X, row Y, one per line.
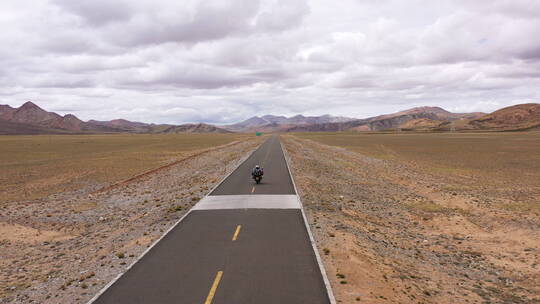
column 33, row 167
column 65, row 247
column 401, row 232
column 506, row 163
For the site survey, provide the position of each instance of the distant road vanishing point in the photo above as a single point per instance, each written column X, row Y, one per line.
column 243, row 244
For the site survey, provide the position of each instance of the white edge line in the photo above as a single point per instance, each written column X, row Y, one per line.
column 329, row 292
column 104, row 289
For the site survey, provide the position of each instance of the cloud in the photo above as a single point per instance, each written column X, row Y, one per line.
column 171, row 62
column 98, row 12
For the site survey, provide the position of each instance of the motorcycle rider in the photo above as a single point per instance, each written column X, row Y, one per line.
column 257, row 171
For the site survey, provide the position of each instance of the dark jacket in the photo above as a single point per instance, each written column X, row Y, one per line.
column 257, row 172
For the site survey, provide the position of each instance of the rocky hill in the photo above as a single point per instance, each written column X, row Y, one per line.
column 438, row 112
column 122, row 125
column 518, row 117
column 15, row 128
column 423, row 124
column 194, row 128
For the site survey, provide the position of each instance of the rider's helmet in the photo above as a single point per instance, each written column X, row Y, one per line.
column 257, row 167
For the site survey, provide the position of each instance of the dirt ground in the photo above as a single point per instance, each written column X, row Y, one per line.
column 397, row 231
column 505, row 165
column 36, row 166
column 65, row 247
column 389, row 229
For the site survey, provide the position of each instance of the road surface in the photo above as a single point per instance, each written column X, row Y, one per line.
column 243, row 244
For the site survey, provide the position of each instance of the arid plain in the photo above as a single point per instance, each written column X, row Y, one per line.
column 398, row 217
column 77, row 209
column 424, row 217
column 35, row 166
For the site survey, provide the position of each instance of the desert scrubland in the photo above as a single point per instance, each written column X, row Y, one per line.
column 35, row 166
column 72, row 216
column 398, row 218
column 424, row 218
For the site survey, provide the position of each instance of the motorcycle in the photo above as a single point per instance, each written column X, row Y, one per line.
column 257, row 179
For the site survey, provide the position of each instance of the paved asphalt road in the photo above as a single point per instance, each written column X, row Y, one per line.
column 276, row 179
column 240, row 256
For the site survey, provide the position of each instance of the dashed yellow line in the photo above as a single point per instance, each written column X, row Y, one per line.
column 253, row 190
column 212, row 292
column 235, row 236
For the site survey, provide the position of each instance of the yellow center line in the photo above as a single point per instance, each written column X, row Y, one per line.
column 235, row 236
column 253, row 190
column 212, row 292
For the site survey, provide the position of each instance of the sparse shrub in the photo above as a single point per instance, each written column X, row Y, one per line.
column 120, row 255
column 175, row 209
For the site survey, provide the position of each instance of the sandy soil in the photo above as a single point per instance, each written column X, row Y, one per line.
column 389, row 232
column 33, row 167
column 65, row 248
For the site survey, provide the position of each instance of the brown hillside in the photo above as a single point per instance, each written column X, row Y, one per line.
column 194, row 128
column 6, row 111
column 30, row 113
column 68, row 122
column 518, row 117
column 16, row 128
column 423, row 124
column 120, row 125
column 437, row 112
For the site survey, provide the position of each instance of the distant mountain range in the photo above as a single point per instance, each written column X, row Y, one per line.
column 519, row 117
column 299, row 123
column 31, row 119
column 271, row 123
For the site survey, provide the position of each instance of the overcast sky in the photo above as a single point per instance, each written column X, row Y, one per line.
column 171, row 61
